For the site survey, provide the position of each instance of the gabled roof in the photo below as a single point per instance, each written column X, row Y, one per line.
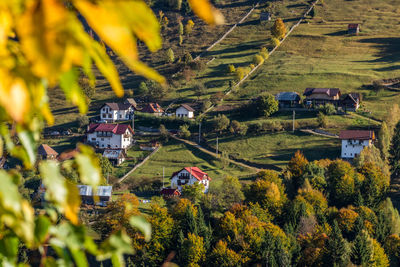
column 195, row 172
column 170, row 192
column 357, row 135
column 131, row 101
column 287, row 96
column 113, row 153
column 355, row 97
column 353, row 26
column 118, row 106
column 152, row 108
column 327, row 91
column 102, row 191
column 46, row 150
column 187, row 107
column 108, row 127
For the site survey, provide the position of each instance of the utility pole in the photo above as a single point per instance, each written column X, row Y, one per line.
column 133, row 121
column 217, row 147
column 294, row 115
column 163, row 177
column 199, row 132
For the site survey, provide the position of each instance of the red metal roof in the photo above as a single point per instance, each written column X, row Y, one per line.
column 357, row 135
column 106, row 127
column 152, row 108
column 46, row 150
column 196, row 173
column 170, row 192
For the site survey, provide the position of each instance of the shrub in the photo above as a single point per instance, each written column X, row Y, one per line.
column 264, row 53
column 322, row 120
column 180, row 39
column 83, row 120
column 231, row 68
column 327, row 109
column 184, row 131
column 279, row 29
column 240, row 73
column 254, row 128
column 197, row 65
column 143, row 89
column 189, row 27
column 252, row 66
column 187, row 58
column 275, row 42
column 180, row 28
column 170, row 56
column 266, row 105
column 258, row 59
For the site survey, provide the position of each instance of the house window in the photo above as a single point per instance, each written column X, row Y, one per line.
column 93, row 138
column 102, row 139
column 120, row 116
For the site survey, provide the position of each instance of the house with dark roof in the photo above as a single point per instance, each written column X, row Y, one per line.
column 190, row 176
column 288, row 99
column 104, row 135
column 153, row 108
column 111, row 112
column 46, row 152
column 322, row 96
column 353, row 28
column 350, row 102
column 265, row 16
column 115, row 156
column 354, row 141
column 185, row 111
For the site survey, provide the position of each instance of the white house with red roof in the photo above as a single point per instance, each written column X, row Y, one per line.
column 190, row 176
column 354, row 141
column 115, row 136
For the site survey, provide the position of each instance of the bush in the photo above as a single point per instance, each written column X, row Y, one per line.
column 254, row 128
column 205, row 105
column 83, row 120
column 279, row 29
column 258, row 59
column 220, row 123
column 143, row 89
column 189, row 27
column 322, row 120
column 275, row 42
column 241, row 72
column 264, row 53
column 180, row 28
column 252, row 66
column 266, row 105
column 187, row 58
column 327, row 109
column 231, row 68
column 197, row 65
column 180, row 40
column 170, row 56
column 184, row 131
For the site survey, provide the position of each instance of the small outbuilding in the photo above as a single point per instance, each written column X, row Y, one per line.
column 46, row 152
column 102, row 196
column 153, row 108
column 115, row 156
column 353, row 28
column 170, row 192
column 265, row 16
column 351, row 102
column 288, row 99
column 185, row 111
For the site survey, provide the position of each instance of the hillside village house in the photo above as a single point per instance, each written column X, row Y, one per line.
column 354, row 141
column 322, row 96
column 288, row 99
column 111, row 112
column 103, row 135
column 185, row 111
column 353, row 28
column 153, row 108
column 351, row 102
column 103, row 194
column 115, row 156
column 46, row 152
column 190, row 176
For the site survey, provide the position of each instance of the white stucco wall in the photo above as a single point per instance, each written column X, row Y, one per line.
column 192, row 180
column 116, row 115
column 352, row 148
column 114, row 141
column 181, row 112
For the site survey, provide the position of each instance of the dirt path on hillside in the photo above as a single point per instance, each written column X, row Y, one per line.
column 193, row 144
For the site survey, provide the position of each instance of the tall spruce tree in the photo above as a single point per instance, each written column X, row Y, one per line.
column 189, row 223
column 336, row 249
column 384, row 140
column 361, row 253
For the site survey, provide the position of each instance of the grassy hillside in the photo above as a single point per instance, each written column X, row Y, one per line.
column 321, row 54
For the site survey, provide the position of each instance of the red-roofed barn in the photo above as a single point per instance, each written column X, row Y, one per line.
column 189, row 176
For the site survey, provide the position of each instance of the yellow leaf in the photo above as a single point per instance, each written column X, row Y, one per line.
column 73, row 203
column 206, row 11
column 115, row 23
column 14, row 96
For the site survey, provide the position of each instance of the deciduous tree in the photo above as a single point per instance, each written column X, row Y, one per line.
column 279, row 29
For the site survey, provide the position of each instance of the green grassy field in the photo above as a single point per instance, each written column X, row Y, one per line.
column 174, row 155
column 278, row 148
column 321, row 54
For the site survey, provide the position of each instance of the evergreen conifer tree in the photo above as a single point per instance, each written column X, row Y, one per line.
column 336, row 248
column 362, row 249
column 394, row 152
